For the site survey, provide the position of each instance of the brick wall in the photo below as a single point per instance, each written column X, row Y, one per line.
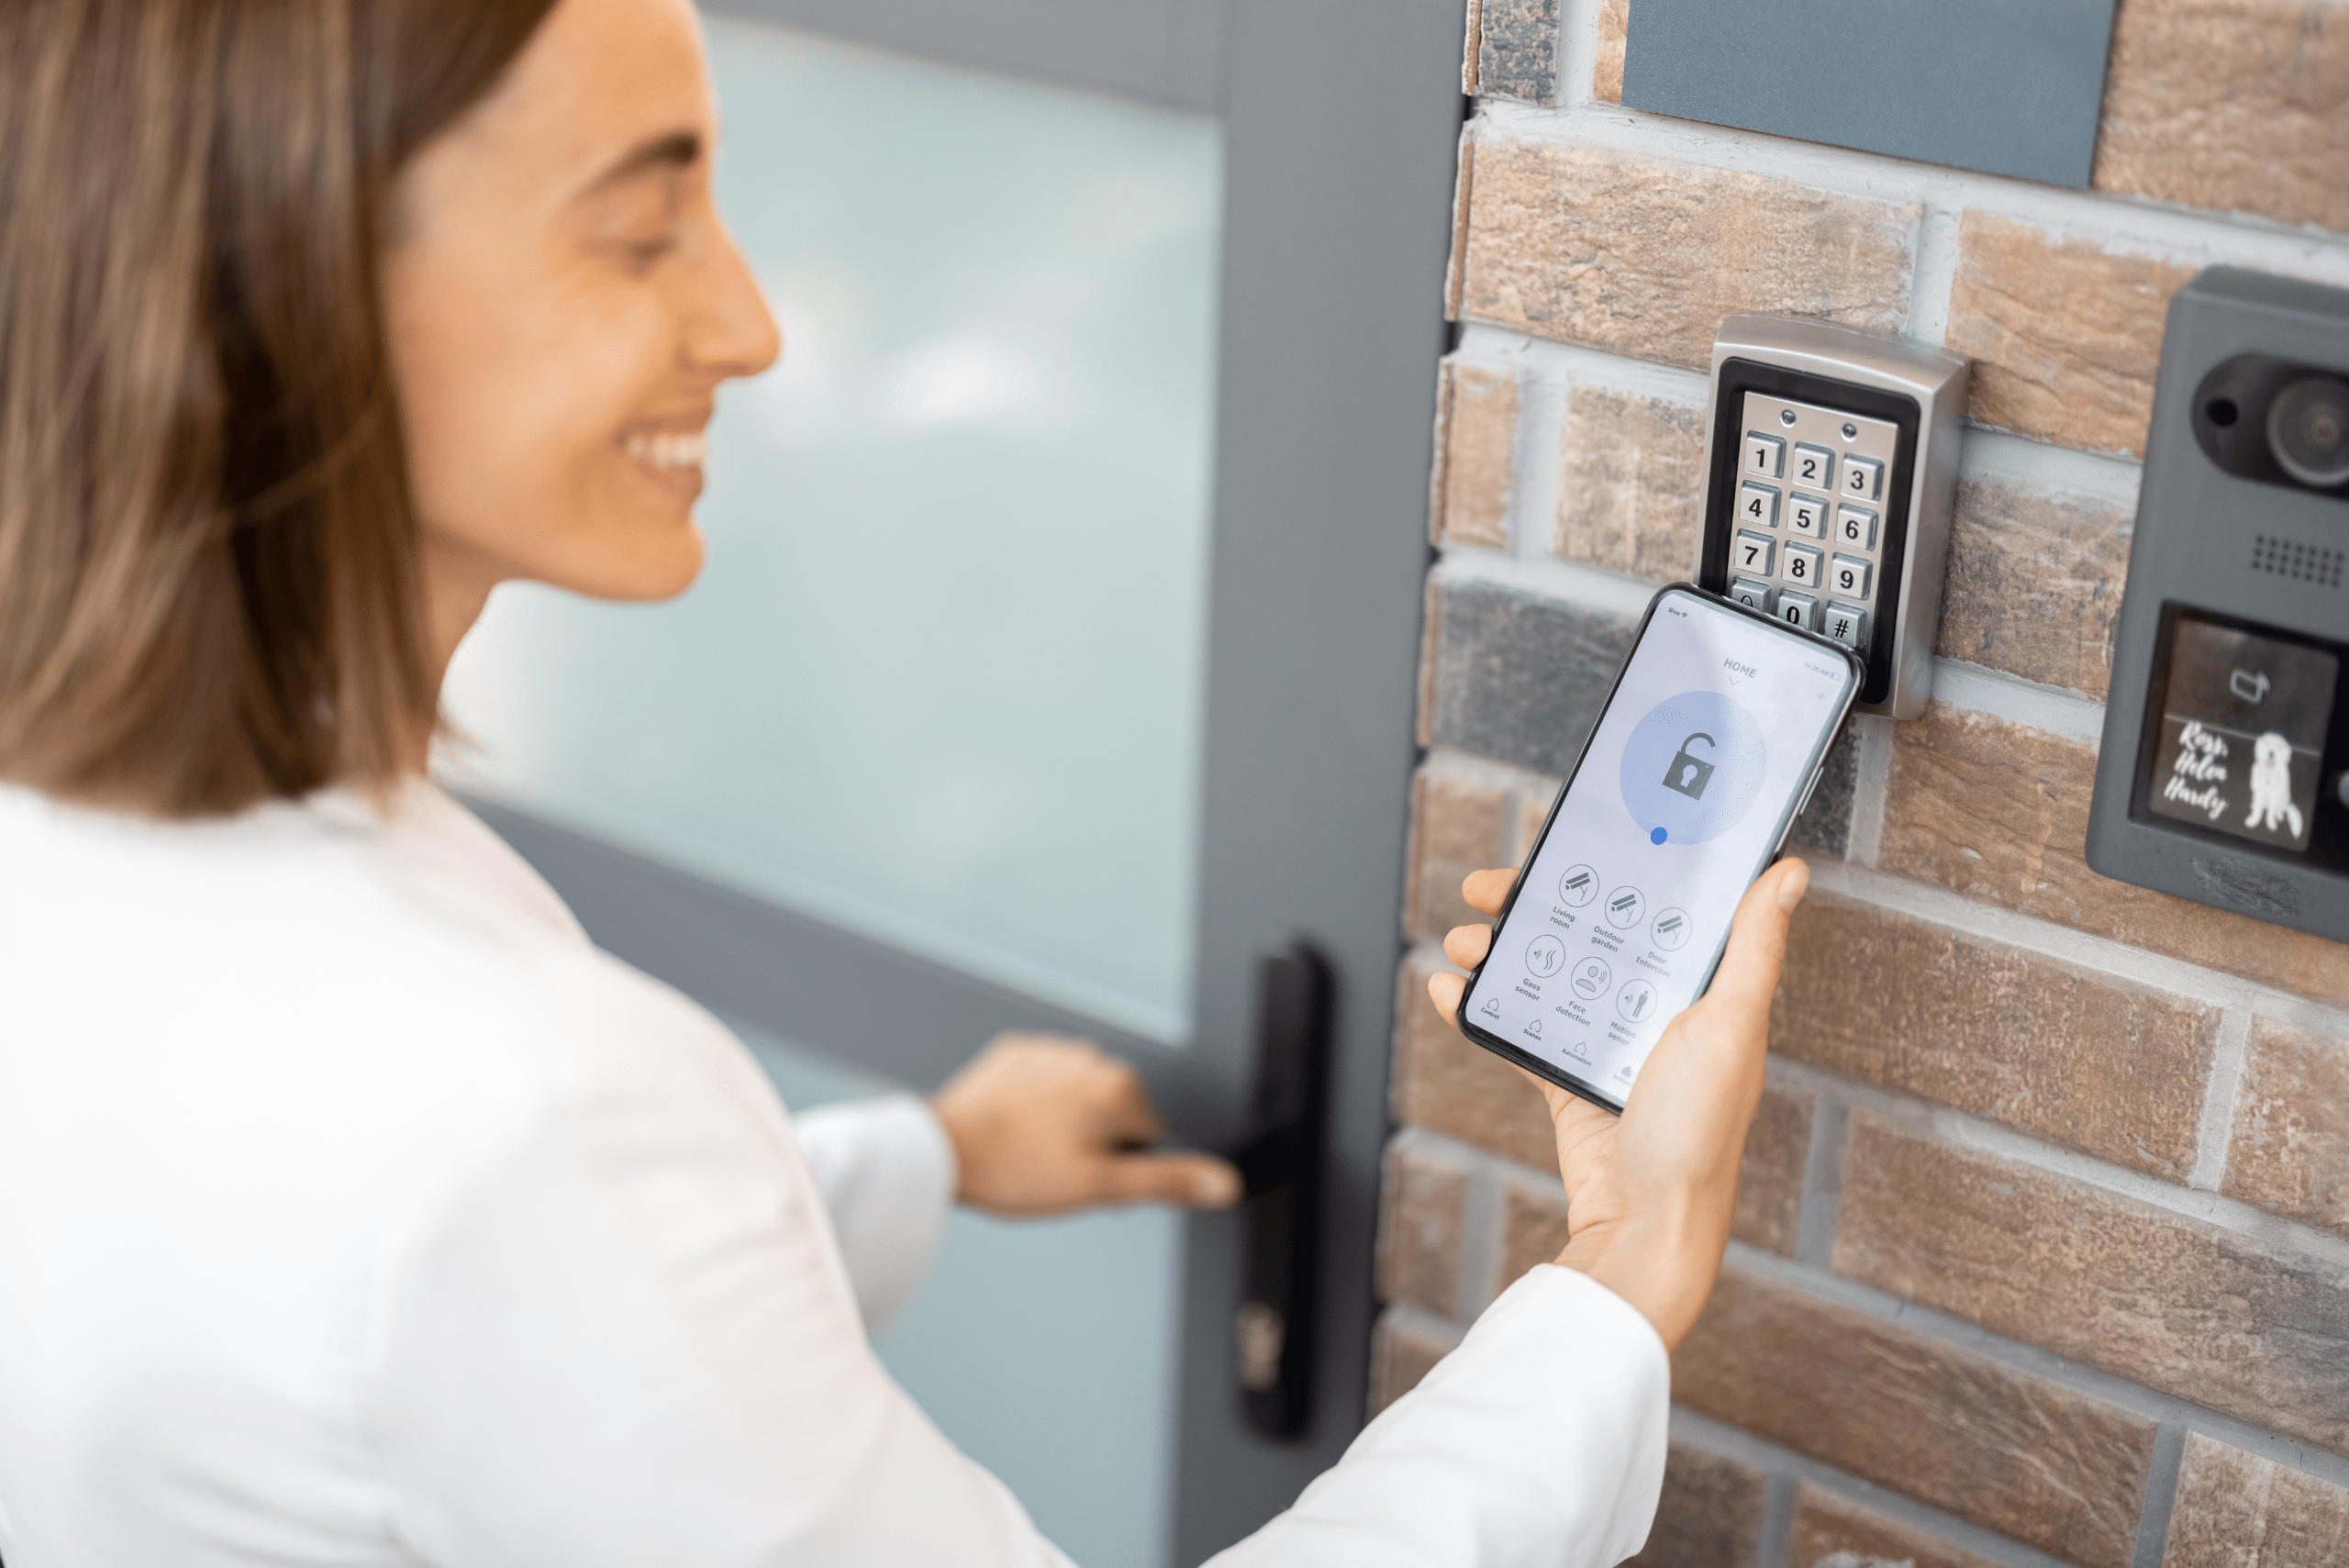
column 2043, row 1251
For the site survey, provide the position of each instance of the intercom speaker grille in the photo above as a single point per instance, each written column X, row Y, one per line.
column 2302, row 562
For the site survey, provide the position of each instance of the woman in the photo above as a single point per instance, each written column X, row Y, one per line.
column 353, row 1210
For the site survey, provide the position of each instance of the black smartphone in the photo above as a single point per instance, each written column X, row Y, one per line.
column 1705, row 753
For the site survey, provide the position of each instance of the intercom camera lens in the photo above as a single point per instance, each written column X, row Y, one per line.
column 2222, row 410
column 2308, row 429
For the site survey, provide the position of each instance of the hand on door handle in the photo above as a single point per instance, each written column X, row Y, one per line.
column 1649, row 1195
column 1042, row 1124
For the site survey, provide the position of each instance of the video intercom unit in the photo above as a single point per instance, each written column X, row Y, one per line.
column 1831, row 461
column 2223, row 775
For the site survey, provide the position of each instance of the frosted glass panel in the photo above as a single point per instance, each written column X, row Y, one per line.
column 941, row 681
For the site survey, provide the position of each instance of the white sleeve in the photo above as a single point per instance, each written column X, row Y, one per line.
column 624, row 1336
column 886, row 1172
column 1539, row 1442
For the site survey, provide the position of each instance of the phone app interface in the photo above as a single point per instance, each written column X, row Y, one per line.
column 1680, row 797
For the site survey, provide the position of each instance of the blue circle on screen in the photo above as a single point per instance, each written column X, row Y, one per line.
column 1660, row 749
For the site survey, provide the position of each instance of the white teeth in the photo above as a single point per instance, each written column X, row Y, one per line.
column 669, row 450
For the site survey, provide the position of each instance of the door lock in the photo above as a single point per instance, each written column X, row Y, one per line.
column 1281, row 1161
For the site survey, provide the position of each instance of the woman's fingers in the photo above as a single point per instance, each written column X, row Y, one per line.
column 1445, row 991
column 1187, row 1181
column 1488, row 890
column 1757, row 940
column 1467, row 945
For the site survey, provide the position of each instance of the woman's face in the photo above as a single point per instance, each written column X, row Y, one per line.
column 563, row 301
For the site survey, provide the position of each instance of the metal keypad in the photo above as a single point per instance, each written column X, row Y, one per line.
column 1830, row 463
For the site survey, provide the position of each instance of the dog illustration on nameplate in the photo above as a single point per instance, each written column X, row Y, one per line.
column 2271, row 783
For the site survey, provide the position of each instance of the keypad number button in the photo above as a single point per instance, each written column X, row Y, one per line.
column 1863, row 478
column 1765, row 456
column 1847, row 623
column 1751, row 594
column 1750, row 554
column 1848, row 577
column 1814, row 468
column 1807, row 516
column 1802, row 566
column 1799, row 609
column 1856, row 526
column 1757, row 505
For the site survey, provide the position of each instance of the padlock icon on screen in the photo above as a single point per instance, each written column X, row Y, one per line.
column 1688, row 774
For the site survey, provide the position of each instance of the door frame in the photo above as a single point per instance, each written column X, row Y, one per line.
column 1340, row 122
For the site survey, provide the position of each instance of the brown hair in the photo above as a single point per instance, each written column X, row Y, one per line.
column 208, row 561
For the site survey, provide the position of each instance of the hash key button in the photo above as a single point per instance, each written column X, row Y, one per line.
column 1847, row 623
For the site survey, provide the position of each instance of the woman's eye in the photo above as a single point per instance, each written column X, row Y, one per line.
column 642, row 254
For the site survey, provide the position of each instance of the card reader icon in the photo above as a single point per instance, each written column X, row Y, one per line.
column 2251, row 685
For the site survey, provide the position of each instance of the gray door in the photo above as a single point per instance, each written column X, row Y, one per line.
column 1055, row 656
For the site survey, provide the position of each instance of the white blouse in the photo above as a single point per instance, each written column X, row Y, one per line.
column 356, row 1211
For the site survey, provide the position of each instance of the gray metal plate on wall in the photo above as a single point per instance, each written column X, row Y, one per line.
column 2005, row 86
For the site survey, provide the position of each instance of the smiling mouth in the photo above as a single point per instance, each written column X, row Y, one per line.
column 668, row 452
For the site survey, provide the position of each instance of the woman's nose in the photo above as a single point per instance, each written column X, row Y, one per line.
column 733, row 333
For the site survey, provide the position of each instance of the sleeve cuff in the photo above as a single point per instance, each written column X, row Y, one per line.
column 887, row 1170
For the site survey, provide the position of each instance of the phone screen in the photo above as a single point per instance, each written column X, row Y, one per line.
column 1715, row 730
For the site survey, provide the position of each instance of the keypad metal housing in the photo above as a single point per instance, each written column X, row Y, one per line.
column 1793, row 388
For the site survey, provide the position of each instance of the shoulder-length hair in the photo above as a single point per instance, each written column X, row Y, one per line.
column 210, row 580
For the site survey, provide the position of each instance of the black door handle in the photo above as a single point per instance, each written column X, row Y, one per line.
column 1281, row 1160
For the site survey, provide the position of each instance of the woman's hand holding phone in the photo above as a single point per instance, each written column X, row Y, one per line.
column 1650, row 1194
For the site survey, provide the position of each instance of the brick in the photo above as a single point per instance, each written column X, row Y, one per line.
column 1445, row 1083
column 1458, row 825
column 1825, row 825
column 1468, row 495
column 1631, row 484
column 1422, row 1212
column 2016, row 1454
column 1400, row 1355
column 2065, row 334
column 2145, row 1293
column 1710, row 1515
column 1614, row 33
column 1831, row 1532
column 1999, row 812
column 1645, row 256
column 1514, row 46
column 1516, row 676
column 1769, row 1192
column 1533, row 1231
column 2290, row 1148
column 2237, row 1510
column 2035, row 583
column 2111, row 1068
column 2231, row 105
column 1770, row 1172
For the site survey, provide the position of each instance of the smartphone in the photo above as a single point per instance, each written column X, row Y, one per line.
column 1705, row 753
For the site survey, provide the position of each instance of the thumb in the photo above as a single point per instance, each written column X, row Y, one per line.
column 1757, row 940
column 1187, row 1181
